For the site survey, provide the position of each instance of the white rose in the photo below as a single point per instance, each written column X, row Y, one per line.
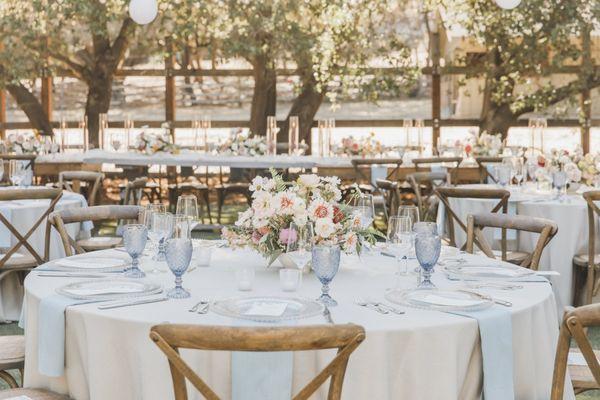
column 309, row 180
column 324, row 227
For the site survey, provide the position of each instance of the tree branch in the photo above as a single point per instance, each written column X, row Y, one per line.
column 121, row 42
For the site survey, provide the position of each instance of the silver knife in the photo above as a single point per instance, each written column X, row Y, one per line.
column 132, row 303
column 68, row 275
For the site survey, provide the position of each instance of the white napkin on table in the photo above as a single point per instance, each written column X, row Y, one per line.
column 5, row 234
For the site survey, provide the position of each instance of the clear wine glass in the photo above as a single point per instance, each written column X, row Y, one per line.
column 187, row 204
column 410, row 211
column 134, row 239
column 518, row 169
column 161, row 230
column 364, row 207
column 146, row 219
column 182, row 227
column 299, row 241
column 178, row 254
column 16, row 171
column 399, row 240
column 428, row 248
column 531, row 170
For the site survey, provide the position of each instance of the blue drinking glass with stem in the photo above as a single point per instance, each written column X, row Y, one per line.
column 134, row 239
column 325, row 263
column 178, row 252
column 428, row 247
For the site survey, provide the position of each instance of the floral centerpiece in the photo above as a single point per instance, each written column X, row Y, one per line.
column 366, row 146
column 244, row 145
column 484, row 144
column 153, row 143
column 562, row 160
column 313, row 200
column 29, row 144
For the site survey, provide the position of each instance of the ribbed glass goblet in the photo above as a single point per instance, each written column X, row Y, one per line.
column 178, row 254
column 134, row 239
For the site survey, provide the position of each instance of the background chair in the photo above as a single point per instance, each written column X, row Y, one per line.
column 544, row 227
column 447, row 193
column 574, row 326
column 588, row 263
column 423, row 185
column 170, row 337
column 189, row 184
column 72, row 182
column 12, row 356
column 134, row 191
column 451, row 165
column 59, row 219
column 390, row 193
column 483, row 163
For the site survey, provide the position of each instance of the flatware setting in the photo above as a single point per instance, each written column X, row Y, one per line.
column 129, row 302
column 201, row 307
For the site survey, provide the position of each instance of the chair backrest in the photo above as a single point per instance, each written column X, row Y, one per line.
column 134, row 191
column 546, row 228
column 361, row 164
column 59, row 219
column 391, row 195
column 452, row 163
column 593, row 213
column 482, row 164
column 23, row 157
column 54, row 196
column 446, row 193
column 431, row 181
column 574, row 324
column 170, row 337
column 71, row 181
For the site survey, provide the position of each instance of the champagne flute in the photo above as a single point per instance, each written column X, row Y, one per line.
column 161, row 229
column 399, row 240
column 187, row 205
column 365, row 208
column 16, row 172
column 299, row 241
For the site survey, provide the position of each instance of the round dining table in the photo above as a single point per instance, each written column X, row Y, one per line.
column 22, row 214
column 422, row 354
column 569, row 212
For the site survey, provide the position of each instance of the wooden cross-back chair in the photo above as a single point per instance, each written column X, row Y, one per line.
column 447, row 193
column 482, row 164
column 544, row 227
column 391, row 196
column 574, row 326
column 451, row 163
column 59, row 220
column 345, row 338
column 591, row 260
column 134, row 191
column 360, row 165
column 71, row 181
column 423, row 185
column 26, row 262
column 23, row 157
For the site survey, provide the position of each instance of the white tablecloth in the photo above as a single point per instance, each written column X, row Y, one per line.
column 420, row 355
column 23, row 215
column 570, row 214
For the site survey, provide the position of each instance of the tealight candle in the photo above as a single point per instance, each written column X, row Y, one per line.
column 244, row 276
column 290, row 279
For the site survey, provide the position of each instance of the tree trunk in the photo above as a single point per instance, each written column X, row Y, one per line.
column 496, row 118
column 264, row 98
column 32, row 107
column 98, row 101
column 305, row 106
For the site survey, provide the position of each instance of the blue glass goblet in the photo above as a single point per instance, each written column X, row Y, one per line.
column 325, row 263
column 179, row 254
column 428, row 248
column 134, row 239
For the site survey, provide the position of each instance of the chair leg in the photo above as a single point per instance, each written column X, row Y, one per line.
column 8, row 378
column 207, row 201
column 220, row 201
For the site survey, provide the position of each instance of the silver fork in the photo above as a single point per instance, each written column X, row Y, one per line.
column 386, row 307
column 363, row 303
column 195, row 308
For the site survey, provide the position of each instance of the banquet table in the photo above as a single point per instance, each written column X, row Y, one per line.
column 570, row 213
column 22, row 215
column 422, row 354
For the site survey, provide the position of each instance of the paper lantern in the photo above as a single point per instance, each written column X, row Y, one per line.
column 143, row 11
column 508, row 4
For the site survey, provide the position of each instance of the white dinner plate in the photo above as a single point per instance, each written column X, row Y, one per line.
column 108, row 289
column 88, row 263
column 267, row 308
column 492, row 271
column 441, row 299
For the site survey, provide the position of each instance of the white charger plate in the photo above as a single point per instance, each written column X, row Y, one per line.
column 88, row 263
column 241, row 308
column 486, row 272
column 108, row 289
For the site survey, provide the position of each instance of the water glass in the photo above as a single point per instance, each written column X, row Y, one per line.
column 299, row 241
column 399, row 240
column 559, row 180
column 290, row 279
column 425, row 227
column 531, row 170
column 364, row 207
column 178, row 253
column 325, row 264
column 134, row 240
column 182, row 227
column 161, row 229
column 503, row 174
column 244, row 276
column 428, row 248
column 16, row 172
column 518, row 168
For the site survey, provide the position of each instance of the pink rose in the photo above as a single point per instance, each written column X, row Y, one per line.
column 288, row 236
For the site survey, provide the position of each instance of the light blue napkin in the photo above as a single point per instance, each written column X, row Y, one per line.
column 86, row 226
column 51, row 333
column 495, row 331
column 378, row 172
column 5, row 235
column 261, row 375
column 528, row 278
